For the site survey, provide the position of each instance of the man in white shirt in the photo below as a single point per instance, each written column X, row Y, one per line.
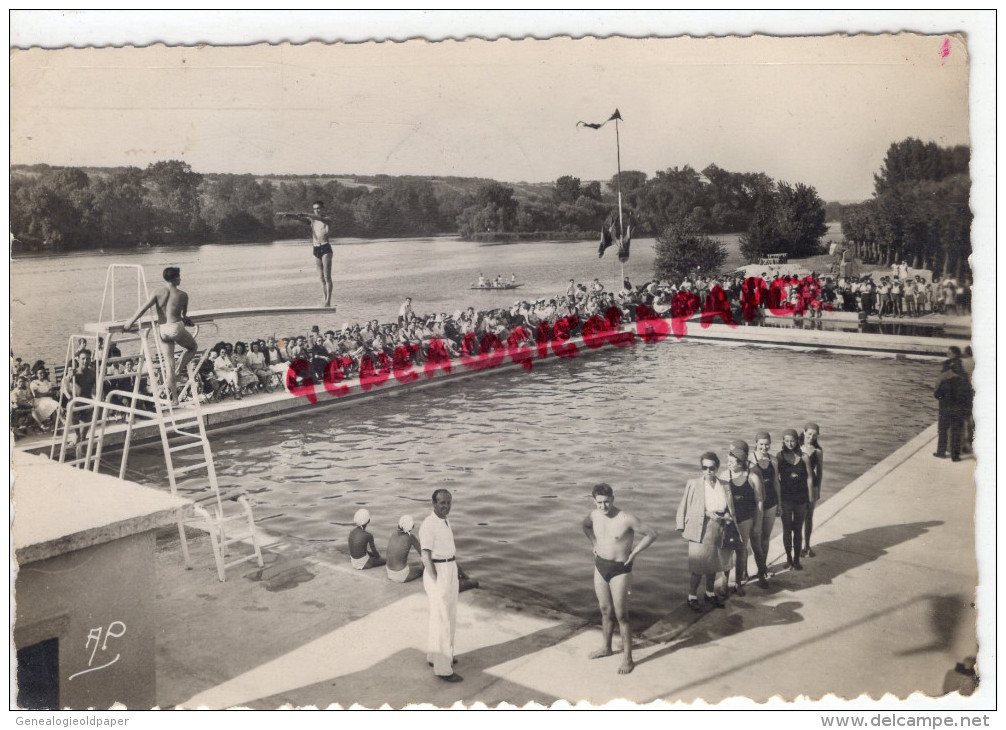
column 405, row 311
column 440, row 579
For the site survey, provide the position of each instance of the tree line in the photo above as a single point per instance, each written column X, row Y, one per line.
column 919, row 212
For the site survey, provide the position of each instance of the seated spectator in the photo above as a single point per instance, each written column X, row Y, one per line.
column 227, row 371
column 400, row 544
column 246, row 374
column 256, row 361
column 44, row 405
column 22, row 405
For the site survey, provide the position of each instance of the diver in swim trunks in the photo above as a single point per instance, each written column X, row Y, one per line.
column 172, row 306
column 610, row 568
column 322, row 248
column 611, row 532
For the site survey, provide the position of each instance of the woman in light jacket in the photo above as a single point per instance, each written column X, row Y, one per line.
column 705, row 505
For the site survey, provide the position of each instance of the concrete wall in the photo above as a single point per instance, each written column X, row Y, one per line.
column 97, row 603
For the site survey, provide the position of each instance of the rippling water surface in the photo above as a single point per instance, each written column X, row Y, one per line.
column 521, row 452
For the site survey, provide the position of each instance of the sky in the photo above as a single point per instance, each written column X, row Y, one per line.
column 817, row 110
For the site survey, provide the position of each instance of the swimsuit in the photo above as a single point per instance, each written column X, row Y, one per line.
column 171, row 330
column 610, row 568
column 398, row 576
column 745, row 503
column 793, row 481
column 359, row 563
column 322, row 250
column 768, row 479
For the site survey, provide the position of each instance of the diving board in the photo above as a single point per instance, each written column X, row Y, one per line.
column 211, row 315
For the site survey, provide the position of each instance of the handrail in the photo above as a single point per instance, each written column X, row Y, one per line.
column 211, row 315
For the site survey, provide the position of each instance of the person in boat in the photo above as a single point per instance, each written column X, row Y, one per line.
column 612, row 532
column 171, row 305
column 362, row 551
column 513, row 279
column 403, row 541
column 322, row 247
column 482, row 281
column 499, row 281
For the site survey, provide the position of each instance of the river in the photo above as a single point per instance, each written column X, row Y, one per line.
column 520, row 451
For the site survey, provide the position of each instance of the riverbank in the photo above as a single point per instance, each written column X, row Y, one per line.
column 886, row 606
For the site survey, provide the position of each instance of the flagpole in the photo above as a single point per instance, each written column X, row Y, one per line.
column 618, row 183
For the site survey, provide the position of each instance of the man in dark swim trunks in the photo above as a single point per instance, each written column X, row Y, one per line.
column 611, row 531
column 322, row 248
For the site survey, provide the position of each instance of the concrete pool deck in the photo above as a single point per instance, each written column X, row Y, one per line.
column 886, row 606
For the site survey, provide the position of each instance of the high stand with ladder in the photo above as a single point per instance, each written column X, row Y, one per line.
column 80, row 434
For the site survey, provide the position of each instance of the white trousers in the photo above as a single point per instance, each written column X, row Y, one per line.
column 443, row 594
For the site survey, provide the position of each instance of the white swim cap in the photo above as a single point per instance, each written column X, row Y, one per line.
column 362, row 517
column 406, row 523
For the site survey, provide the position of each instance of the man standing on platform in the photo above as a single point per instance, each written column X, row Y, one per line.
column 322, row 247
column 172, row 307
column 440, row 579
column 612, row 532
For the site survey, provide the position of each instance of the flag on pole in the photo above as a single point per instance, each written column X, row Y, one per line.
column 616, row 115
column 611, row 233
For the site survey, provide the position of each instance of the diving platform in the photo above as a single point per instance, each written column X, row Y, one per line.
column 213, row 315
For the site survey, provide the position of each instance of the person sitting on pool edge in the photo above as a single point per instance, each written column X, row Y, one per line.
column 362, row 551
column 400, row 544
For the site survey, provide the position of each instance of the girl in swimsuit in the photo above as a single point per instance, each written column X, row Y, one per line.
column 812, row 449
column 746, row 490
column 794, row 495
column 763, row 463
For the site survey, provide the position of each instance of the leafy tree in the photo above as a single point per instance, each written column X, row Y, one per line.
column 567, row 189
column 670, row 196
column 789, row 221
column 683, row 249
column 592, row 190
column 173, row 191
column 910, row 161
column 493, row 208
column 126, row 216
column 920, row 209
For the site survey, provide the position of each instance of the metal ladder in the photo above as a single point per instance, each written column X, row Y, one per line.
column 182, row 432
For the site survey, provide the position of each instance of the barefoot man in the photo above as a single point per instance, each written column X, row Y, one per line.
column 319, row 223
column 611, row 531
column 172, row 305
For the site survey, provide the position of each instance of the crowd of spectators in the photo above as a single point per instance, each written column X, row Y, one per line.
column 236, row 369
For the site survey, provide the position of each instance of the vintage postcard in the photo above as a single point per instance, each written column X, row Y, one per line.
column 513, row 372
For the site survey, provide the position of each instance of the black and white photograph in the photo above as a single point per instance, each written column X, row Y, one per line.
column 561, row 366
